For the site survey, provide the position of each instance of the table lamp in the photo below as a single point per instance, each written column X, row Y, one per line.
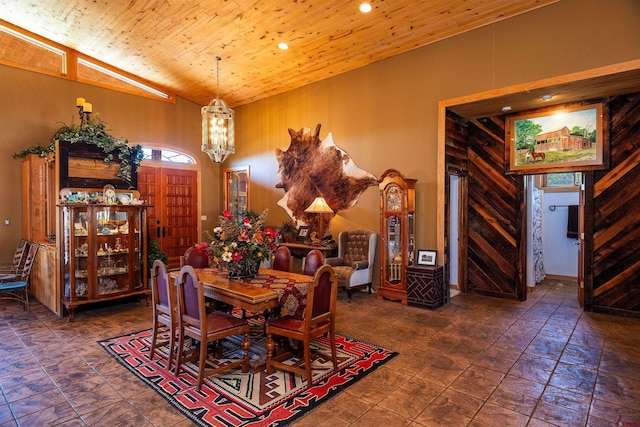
column 319, row 206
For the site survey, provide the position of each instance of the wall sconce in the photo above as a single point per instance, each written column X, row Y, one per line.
column 218, row 130
column 84, row 109
column 319, row 206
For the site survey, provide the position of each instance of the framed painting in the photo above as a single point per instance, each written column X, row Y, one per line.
column 561, row 139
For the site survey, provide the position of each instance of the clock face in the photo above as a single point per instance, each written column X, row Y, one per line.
column 109, row 193
column 394, row 199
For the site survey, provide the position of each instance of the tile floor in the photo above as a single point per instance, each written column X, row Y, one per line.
column 477, row 361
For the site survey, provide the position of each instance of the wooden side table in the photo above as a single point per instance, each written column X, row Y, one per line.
column 300, row 250
column 425, row 287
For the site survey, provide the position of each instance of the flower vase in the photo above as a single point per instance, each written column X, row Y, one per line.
column 243, row 270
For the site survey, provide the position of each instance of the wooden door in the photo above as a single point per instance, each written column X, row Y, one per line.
column 581, row 245
column 173, row 212
column 496, row 237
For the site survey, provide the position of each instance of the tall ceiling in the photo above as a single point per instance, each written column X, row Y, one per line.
column 174, row 42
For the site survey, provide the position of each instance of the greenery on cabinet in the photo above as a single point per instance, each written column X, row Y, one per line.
column 40, row 151
column 93, row 131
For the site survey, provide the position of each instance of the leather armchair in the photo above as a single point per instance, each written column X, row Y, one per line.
column 354, row 263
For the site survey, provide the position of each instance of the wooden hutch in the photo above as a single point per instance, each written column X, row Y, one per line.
column 92, row 231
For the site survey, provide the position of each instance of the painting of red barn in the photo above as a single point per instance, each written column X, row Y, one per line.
column 558, row 139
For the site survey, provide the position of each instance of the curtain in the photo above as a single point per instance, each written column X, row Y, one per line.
column 538, row 264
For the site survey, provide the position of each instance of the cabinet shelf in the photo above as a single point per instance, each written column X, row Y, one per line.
column 97, row 271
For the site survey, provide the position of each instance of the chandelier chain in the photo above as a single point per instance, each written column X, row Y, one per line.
column 218, row 59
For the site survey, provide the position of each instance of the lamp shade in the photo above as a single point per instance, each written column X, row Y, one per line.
column 319, row 205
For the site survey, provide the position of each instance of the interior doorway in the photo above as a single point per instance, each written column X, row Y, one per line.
column 457, row 233
column 554, row 207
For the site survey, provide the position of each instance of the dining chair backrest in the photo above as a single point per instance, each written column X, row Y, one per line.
column 28, row 263
column 321, row 296
column 162, row 292
column 282, row 259
column 195, row 258
column 19, row 254
column 191, row 307
column 165, row 312
column 313, row 261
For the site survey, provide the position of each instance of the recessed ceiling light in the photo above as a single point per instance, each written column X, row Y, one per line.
column 506, row 109
column 546, row 97
column 283, row 46
column 365, row 8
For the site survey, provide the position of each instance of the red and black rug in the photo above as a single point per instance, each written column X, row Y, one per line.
column 255, row 398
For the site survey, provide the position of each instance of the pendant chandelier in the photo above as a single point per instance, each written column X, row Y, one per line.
column 218, row 135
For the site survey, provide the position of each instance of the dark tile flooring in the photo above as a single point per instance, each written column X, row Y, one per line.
column 477, row 361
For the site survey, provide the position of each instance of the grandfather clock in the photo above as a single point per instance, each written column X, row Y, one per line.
column 397, row 230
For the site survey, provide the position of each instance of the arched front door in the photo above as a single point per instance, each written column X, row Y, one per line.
column 168, row 181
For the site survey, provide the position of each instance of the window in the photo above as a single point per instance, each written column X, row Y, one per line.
column 559, row 181
column 167, row 155
column 91, row 72
column 22, row 49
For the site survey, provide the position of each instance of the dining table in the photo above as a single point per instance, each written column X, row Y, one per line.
column 268, row 290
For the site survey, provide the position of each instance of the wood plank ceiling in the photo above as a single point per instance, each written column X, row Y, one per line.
column 174, row 43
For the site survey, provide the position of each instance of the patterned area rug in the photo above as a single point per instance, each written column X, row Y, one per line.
column 255, row 398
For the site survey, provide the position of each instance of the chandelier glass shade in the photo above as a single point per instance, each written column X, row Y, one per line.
column 218, row 131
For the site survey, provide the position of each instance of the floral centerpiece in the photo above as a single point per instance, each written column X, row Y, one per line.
column 240, row 243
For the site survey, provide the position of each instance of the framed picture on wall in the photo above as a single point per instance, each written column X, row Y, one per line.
column 558, row 139
column 427, row 257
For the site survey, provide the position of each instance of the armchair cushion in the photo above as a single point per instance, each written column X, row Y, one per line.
column 356, row 254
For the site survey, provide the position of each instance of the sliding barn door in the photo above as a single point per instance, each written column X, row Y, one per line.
column 173, row 214
column 495, row 211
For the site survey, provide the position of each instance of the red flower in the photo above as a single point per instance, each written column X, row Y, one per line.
column 227, row 215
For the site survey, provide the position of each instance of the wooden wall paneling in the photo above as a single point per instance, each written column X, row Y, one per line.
column 615, row 257
column 496, row 204
column 456, row 160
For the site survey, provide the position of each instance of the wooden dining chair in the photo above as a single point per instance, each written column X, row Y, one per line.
column 194, row 258
column 10, row 272
column 313, row 261
column 195, row 323
column 319, row 319
column 18, row 289
column 282, row 259
column 165, row 309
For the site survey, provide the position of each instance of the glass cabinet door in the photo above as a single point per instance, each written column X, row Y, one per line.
column 81, row 253
column 394, row 248
column 112, row 250
column 135, row 235
column 236, row 189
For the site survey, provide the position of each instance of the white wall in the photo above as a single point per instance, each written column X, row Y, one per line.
column 453, row 230
column 559, row 252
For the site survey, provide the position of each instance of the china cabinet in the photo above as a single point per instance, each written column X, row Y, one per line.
column 102, row 253
column 236, row 189
column 397, row 231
